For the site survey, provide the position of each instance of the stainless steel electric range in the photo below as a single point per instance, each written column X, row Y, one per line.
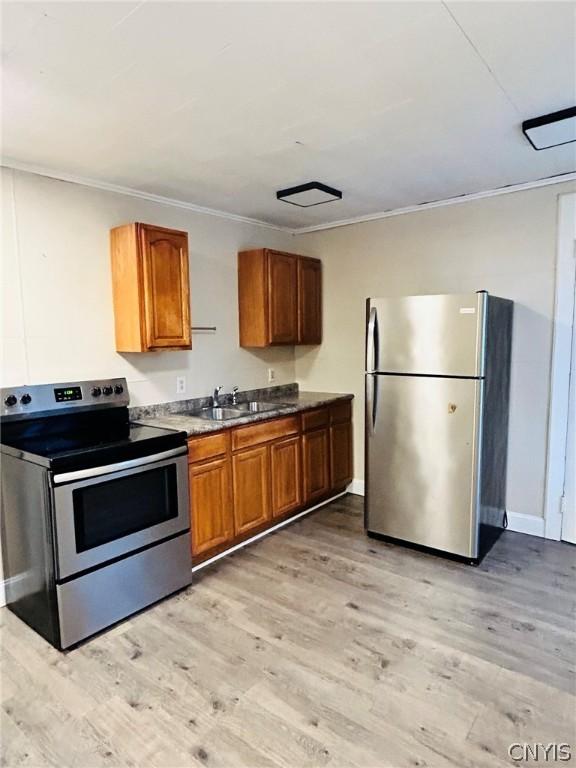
column 95, row 520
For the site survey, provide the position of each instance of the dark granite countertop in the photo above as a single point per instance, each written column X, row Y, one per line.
column 174, row 415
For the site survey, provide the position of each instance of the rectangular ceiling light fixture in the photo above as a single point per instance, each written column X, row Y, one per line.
column 551, row 130
column 307, row 195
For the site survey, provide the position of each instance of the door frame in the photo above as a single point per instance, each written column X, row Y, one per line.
column 561, row 364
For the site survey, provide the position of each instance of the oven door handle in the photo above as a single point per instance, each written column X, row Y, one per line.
column 83, row 474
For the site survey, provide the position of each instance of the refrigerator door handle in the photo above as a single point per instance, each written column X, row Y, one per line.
column 371, row 402
column 371, row 361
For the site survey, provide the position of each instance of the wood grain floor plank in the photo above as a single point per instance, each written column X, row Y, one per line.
column 316, row 646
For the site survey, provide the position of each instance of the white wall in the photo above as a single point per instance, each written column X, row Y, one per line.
column 57, row 318
column 504, row 244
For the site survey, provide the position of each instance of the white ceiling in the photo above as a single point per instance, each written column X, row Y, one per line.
column 221, row 104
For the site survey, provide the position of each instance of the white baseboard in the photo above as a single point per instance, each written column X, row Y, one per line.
column 267, row 532
column 530, row 524
column 356, row 487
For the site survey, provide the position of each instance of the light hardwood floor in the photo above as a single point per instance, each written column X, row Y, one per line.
column 314, row 647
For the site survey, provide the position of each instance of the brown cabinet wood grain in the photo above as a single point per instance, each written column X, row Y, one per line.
column 245, row 478
column 279, row 298
column 151, row 289
column 315, row 419
column 316, row 464
column 341, row 455
column 253, row 298
column 285, row 474
column 341, row 411
column 208, row 446
column 282, row 298
column 309, row 301
column 251, row 483
column 212, row 513
column 264, row 432
column 166, row 287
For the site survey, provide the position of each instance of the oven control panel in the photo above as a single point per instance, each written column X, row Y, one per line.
column 65, row 394
column 44, row 399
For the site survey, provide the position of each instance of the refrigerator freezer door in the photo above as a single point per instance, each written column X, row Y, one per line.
column 432, row 335
column 422, row 476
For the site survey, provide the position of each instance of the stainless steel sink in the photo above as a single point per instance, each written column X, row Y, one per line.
column 217, row 414
column 235, row 411
column 258, row 406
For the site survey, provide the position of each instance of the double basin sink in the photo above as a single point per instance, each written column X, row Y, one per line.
column 223, row 413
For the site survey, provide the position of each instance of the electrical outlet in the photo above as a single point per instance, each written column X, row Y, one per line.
column 180, row 385
column 271, row 375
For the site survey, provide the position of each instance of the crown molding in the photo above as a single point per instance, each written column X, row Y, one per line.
column 130, row 192
column 561, row 179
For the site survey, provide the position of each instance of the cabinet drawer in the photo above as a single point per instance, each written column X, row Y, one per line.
column 340, row 412
column 244, row 437
column 208, row 446
column 314, row 419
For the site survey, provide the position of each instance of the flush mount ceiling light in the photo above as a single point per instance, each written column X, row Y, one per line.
column 307, row 195
column 551, row 130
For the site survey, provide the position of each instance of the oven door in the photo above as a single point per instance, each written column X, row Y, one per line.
column 118, row 509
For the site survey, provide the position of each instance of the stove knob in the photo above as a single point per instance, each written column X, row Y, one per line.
column 25, row 399
column 96, row 392
column 107, row 390
column 11, row 400
column 118, row 389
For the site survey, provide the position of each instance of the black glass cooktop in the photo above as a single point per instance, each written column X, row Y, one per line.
column 82, row 441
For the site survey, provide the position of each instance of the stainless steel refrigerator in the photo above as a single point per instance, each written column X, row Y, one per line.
column 437, row 394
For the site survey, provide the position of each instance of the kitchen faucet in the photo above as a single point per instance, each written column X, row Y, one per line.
column 234, row 395
column 216, row 397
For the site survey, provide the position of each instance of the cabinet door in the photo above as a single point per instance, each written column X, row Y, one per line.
column 309, row 301
column 316, row 462
column 341, row 454
column 282, row 298
column 286, row 476
column 166, row 287
column 212, row 515
column 251, row 488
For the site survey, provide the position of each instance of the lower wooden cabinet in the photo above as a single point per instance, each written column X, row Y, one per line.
column 316, row 464
column 251, row 483
column 341, row 455
column 285, row 476
column 212, row 517
column 244, row 479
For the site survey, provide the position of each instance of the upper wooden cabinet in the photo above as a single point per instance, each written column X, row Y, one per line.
column 279, row 298
column 309, row 301
column 151, row 288
column 282, row 298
